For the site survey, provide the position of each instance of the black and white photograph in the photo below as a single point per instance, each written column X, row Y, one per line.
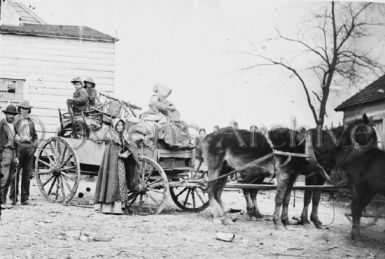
column 192, row 129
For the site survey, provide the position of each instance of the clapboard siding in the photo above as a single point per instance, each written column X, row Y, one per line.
column 48, row 65
column 103, row 66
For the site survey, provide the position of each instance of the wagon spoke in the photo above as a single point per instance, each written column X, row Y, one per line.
column 149, row 175
column 185, row 189
column 49, row 179
column 63, row 155
column 53, row 151
column 49, row 157
column 52, row 185
column 57, row 187
column 135, row 195
column 42, row 171
column 45, row 163
column 193, row 197
column 143, row 168
column 68, row 159
column 62, row 188
column 152, row 198
column 185, row 201
column 154, row 182
column 200, row 197
column 68, row 168
column 66, row 183
column 67, row 176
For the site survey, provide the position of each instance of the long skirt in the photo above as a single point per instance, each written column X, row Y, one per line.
column 111, row 187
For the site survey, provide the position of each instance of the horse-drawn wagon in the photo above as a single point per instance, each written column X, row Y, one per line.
column 63, row 159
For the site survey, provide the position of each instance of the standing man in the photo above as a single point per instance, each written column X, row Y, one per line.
column 89, row 85
column 26, row 144
column 80, row 101
column 9, row 160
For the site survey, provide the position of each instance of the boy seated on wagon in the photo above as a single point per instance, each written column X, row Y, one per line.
column 80, row 101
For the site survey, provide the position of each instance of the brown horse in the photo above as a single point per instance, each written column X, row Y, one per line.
column 230, row 149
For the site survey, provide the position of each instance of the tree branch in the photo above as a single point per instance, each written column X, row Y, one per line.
column 303, row 44
column 303, row 84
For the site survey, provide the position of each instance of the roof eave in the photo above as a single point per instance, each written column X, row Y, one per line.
column 113, row 40
column 345, row 107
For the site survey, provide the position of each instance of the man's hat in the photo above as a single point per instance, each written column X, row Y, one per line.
column 77, row 80
column 11, row 109
column 24, row 104
column 89, row 80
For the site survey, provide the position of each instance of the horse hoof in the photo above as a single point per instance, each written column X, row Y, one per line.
column 288, row 227
column 279, row 227
column 248, row 217
column 286, row 222
column 258, row 215
column 318, row 224
column 355, row 235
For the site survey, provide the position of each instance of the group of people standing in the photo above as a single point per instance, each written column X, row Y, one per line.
column 18, row 143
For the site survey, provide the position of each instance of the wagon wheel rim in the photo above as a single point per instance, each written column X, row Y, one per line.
column 194, row 199
column 57, row 170
column 153, row 190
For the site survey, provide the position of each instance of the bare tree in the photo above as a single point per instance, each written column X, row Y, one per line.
column 336, row 44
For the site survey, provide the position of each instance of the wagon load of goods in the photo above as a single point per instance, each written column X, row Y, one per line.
column 167, row 134
column 161, row 122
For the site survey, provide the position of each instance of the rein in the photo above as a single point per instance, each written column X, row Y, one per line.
column 256, row 161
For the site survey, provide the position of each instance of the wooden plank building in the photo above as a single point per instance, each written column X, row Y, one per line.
column 370, row 100
column 38, row 61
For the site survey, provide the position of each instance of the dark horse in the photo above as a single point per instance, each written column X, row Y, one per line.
column 251, row 154
column 363, row 165
column 227, row 149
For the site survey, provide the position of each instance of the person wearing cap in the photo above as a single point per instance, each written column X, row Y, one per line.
column 26, row 144
column 79, row 101
column 9, row 159
column 89, row 85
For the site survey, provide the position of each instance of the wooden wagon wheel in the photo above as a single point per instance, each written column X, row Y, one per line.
column 57, row 170
column 191, row 198
column 153, row 190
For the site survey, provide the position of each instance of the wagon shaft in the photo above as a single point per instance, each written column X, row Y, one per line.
column 273, row 187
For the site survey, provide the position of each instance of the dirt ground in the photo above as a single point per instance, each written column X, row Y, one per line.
column 39, row 231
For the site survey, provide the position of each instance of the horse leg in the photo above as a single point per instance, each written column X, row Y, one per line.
column 314, row 212
column 282, row 182
column 286, row 200
column 361, row 197
column 317, row 180
column 306, row 201
column 257, row 214
column 211, row 190
column 218, row 194
column 249, row 203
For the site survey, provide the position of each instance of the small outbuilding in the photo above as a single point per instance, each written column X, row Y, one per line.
column 38, row 61
column 370, row 100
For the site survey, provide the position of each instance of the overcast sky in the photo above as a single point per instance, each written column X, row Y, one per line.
column 196, row 48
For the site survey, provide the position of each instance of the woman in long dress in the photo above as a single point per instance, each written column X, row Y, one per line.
column 111, row 187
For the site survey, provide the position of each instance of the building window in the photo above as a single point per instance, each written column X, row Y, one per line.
column 11, row 90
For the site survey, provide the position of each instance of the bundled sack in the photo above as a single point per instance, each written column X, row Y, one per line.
column 143, row 132
column 175, row 135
